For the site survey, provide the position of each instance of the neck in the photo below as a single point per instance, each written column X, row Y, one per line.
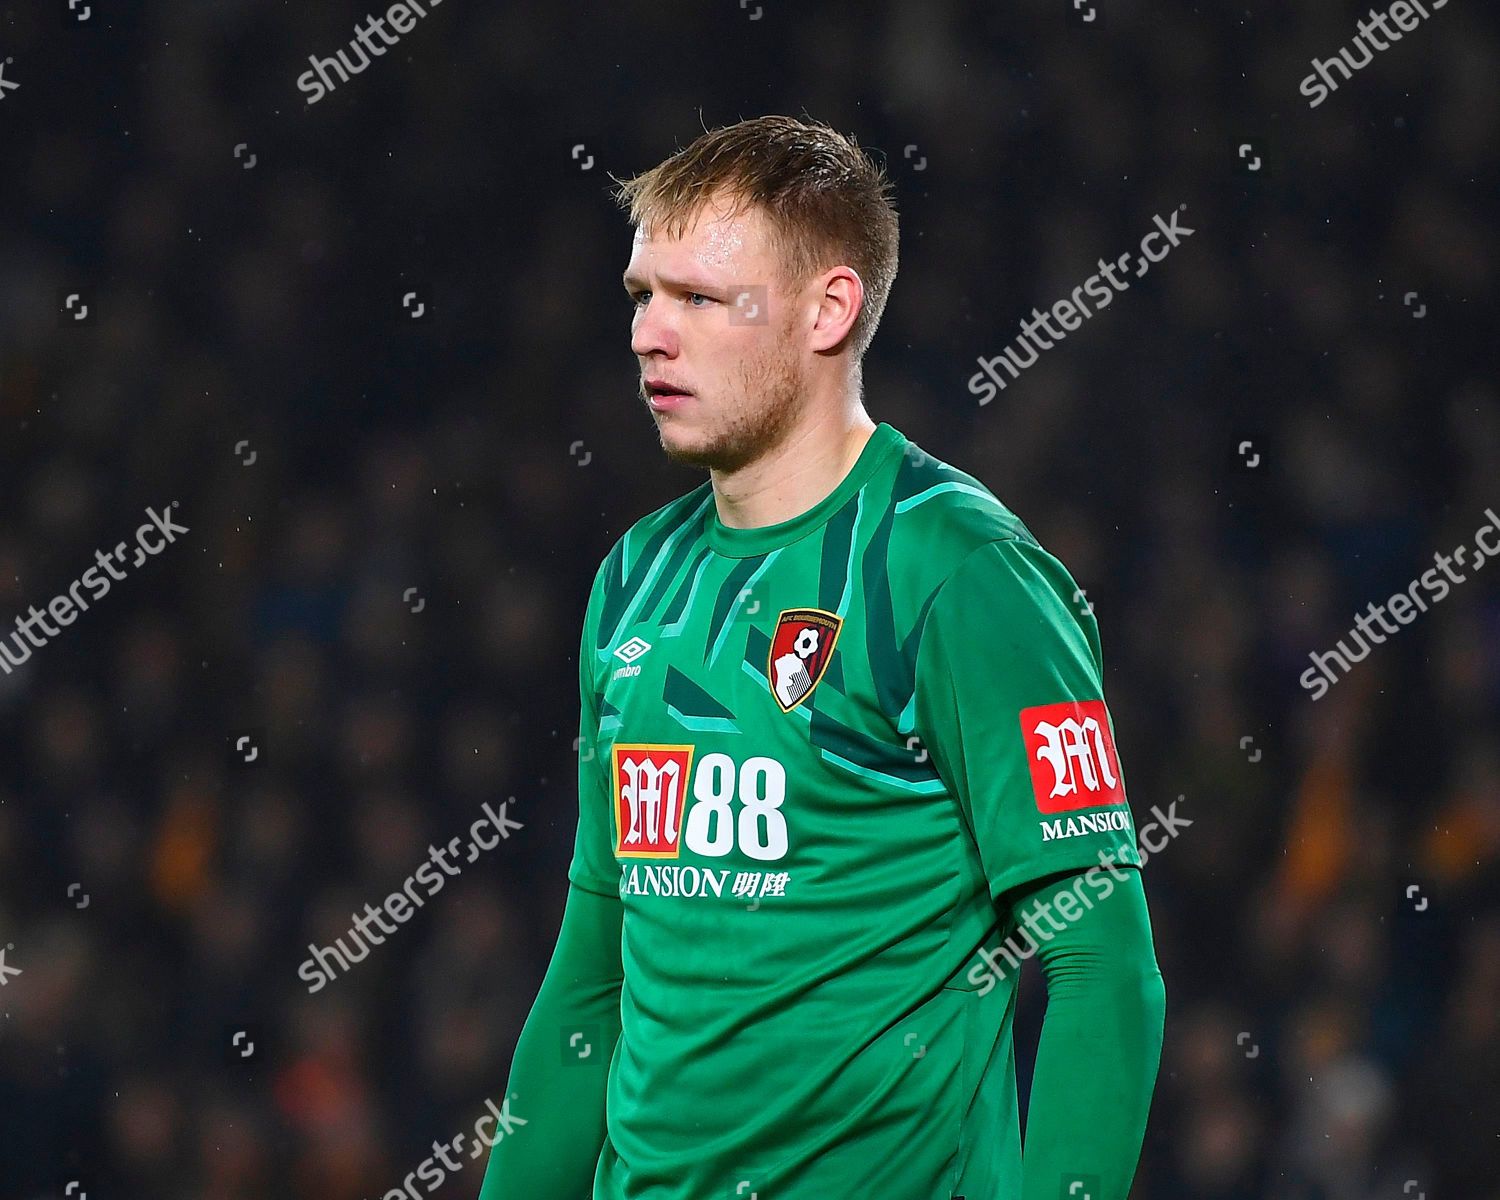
column 792, row 476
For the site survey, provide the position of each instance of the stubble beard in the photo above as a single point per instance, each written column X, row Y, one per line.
column 761, row 412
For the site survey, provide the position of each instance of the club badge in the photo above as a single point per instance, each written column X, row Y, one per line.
column 801, row 648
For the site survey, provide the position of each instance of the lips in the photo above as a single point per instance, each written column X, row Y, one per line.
column 665, row 387
column 663, row 395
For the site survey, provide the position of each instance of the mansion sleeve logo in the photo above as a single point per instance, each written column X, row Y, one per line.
column 1071, row 753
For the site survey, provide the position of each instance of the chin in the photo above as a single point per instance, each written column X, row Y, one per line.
column 686, row 448
column 684, row 443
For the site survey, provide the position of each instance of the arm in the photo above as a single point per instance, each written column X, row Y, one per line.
column 1100, row 1043
column 558, row 1094
column 1010, row 702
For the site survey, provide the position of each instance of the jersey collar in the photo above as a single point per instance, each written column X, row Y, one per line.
column 761, row 539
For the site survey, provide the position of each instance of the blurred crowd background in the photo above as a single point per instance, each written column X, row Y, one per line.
column 1329, row 926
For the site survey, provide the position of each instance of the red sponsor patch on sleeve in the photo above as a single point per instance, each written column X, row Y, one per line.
column 1071, row 753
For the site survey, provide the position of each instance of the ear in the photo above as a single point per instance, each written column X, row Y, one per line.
column 840, row 296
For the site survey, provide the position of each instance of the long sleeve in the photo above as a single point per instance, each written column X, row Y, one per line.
column 1101, row 1038
column 560, row 1066
column 1010, row 702
column 561, row 1063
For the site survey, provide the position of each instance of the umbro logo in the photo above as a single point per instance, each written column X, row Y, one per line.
column 628, row 653
column 632, row 650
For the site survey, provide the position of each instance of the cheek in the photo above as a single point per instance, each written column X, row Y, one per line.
column 715, row 345
column 746, row 354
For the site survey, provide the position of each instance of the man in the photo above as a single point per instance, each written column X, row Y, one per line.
column 842, row 733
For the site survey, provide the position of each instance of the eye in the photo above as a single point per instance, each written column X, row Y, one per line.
column 698, row 296
column 637, row 299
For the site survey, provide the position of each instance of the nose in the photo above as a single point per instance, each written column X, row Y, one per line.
column 651, row 332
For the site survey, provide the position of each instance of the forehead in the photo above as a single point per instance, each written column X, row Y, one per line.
column 713, row 240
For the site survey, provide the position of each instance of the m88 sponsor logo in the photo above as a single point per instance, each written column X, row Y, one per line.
column 661, row 802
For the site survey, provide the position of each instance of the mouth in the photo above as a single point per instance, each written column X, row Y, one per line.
column 663, row 395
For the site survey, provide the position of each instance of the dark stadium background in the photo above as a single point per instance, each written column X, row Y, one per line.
column 1332, row 1034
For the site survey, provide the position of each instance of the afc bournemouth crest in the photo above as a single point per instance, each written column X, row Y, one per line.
column 800, row 649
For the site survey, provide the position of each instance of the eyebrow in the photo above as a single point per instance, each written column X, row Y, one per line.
column 636, row 283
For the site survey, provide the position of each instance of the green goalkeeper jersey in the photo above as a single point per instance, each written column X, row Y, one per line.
column 812, row 754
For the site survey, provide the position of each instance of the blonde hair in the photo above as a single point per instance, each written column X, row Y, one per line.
column 827, row 202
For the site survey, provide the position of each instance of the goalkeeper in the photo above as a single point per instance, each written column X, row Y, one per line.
column 842, row 738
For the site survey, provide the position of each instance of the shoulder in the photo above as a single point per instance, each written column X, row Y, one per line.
column 620, row 570
column 942, row 515
column 956, row 547
column 645, row 539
